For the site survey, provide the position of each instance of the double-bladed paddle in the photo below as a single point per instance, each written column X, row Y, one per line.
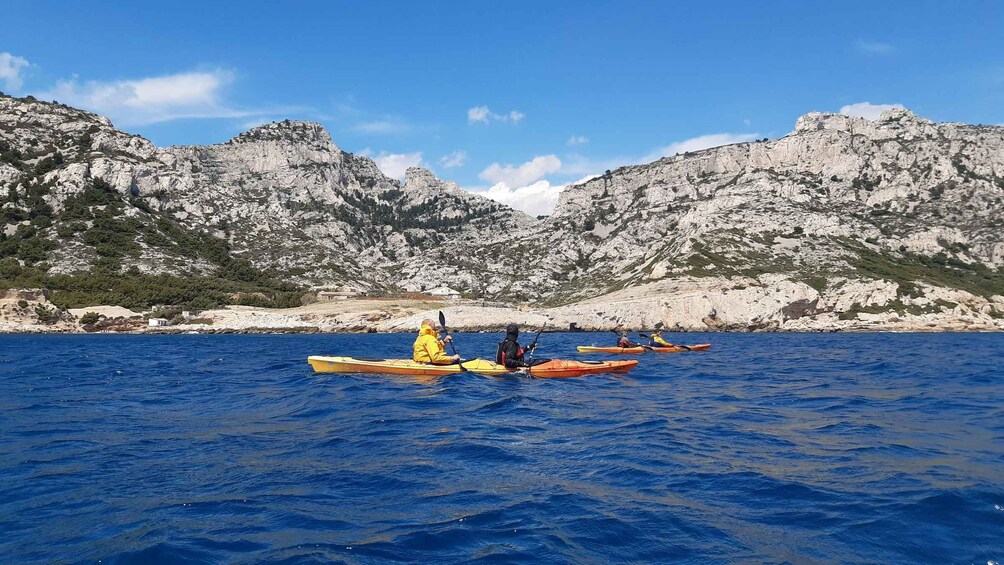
column 442, row 324
column 532, row 347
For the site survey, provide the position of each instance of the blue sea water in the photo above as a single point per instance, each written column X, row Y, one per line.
column 779, row 448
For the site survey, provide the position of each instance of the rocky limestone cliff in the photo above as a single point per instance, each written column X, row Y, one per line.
column 283, row 195
column 897, row 203
column 898, row 184
column 841, row 220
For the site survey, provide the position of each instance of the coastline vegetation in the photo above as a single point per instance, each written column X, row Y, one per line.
column 117, row 228
column 136, row 290
column 907, row 269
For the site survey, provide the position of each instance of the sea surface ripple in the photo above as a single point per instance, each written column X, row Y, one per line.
column 770, row 448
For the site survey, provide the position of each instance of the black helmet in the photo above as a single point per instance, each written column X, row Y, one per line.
column 512, row 329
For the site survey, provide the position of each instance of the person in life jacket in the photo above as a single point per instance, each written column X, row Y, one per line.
column 656, row 340
column 429, row 348
column 623, row 341
column 509, row 353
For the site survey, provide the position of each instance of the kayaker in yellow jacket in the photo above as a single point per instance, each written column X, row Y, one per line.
column 429, row 348
column 656, row 340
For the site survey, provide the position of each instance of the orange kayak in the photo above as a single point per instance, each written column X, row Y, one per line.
column 557, row 368
column 673, row 349
column 553, row 369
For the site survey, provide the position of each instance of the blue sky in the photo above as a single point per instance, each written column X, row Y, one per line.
column 527, row 94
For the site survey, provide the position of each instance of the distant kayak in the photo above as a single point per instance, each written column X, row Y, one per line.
column 673, row 349
column 554, row 369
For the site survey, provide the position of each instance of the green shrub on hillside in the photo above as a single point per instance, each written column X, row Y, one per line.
column 937, row 270
column 134, row 290
column 47, row 315
column 113, row 236
column 100, row 193
column 89, row 318
column 34, row 250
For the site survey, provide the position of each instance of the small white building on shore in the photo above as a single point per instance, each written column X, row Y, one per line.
column 343, row 293
column 444, row 292
column 155, row 322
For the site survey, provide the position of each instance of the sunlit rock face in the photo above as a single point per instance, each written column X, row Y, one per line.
column 841, row 219
column 283, row 194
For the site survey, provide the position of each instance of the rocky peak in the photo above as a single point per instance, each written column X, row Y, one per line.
column 287, row 131
column 422, row 181
column 31, row 110
column 902, row 116
column 893, row 120
column 415, row 177
column 817, row 121
column 423, row 185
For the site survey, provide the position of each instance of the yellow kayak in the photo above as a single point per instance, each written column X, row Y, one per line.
column 322, row 364
column 552, row 369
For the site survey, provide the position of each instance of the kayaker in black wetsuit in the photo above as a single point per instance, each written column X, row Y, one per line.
column 509, row 352
column 623, row 341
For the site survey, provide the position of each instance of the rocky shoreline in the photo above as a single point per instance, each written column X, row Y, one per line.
column 766, row 304
column 903, row 326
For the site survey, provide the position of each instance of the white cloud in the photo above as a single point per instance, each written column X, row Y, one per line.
column 524, row 174
column 197, row 94
column 455, row 159
column 536, row 199
column 698, row 143
column 382, row 127
column 394, row 165
column 10, row 70
column 577, row 140
column 482, row 114
column 873, row 47
column 478, row 114
column 867, row 110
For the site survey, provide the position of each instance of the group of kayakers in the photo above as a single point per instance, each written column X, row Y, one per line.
column 655, row 340
column 430, row 349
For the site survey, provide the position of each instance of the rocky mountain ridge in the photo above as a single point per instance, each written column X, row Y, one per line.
column 282, row 195
column 862, row 216
column 843, row 218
